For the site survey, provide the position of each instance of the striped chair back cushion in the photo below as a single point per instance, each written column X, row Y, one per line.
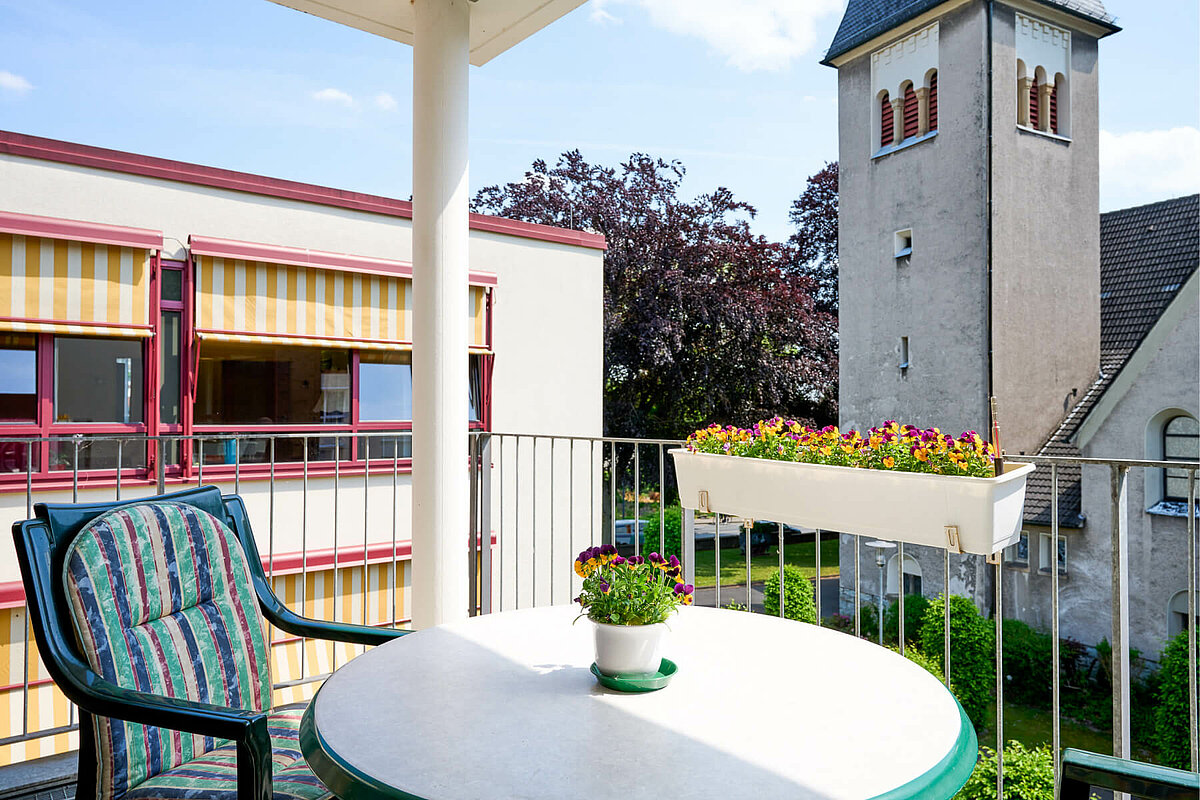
column 162, row 602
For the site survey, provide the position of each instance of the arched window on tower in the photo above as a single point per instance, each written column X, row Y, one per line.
column 933, row 101
column 1054, row 109
column 1033, row 104
column 912, row 116
column 886, row 123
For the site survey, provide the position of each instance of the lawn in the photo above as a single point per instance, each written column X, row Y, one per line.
column 1032, row 727
column 733, row 563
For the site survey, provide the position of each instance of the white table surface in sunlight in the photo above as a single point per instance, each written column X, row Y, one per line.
column 504, row 705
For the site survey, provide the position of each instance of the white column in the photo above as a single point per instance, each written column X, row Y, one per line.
column 440, row 239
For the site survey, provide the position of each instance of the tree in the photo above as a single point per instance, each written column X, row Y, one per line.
column 815, row 215
column 703, row 320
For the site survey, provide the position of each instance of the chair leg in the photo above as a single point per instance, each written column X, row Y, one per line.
column 254, row 762
column 85, row 777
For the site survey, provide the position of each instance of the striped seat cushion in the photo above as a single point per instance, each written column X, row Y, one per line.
column 161, row 600
column 213, row 776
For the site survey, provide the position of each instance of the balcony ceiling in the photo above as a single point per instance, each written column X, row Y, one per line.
column 496, row 25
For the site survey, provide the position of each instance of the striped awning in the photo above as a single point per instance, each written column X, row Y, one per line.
column 300, row 297
column 64, row 277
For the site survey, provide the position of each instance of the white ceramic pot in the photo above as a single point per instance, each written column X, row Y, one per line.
column 896, row 506
column 629, row 649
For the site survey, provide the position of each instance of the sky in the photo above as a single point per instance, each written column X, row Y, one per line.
column 731, row 88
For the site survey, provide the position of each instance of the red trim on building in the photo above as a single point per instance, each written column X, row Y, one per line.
column 80, row 231
column 19, row 144
column 1054, row 109
column 303, row 257
column 1033, row 104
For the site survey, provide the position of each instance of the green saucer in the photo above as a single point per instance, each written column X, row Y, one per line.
column 646, row 682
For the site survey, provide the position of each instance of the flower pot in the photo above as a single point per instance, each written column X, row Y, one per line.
column 629, row 649
column 911, row 507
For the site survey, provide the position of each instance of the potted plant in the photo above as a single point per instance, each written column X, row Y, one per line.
column 628, row 600
column 895, row 482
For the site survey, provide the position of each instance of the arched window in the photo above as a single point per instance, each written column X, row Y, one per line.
column 1181, row 442
column 912, row 112
column 1177, row 613
column 933, row 101
column 1033, row 104
column 1054, row 109
column 912, row 575
column 886, row 123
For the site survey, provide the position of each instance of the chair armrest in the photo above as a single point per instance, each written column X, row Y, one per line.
column 1082, row 769
column 285, row 619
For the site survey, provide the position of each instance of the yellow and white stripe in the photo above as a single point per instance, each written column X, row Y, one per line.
column 326, row 595
column 59, row 286
column 257, row 301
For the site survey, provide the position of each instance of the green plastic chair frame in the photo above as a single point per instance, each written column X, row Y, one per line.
column 41, row 545
column 1082, row 769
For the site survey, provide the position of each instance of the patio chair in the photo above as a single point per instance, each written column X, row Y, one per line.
column 1082, row 769
column 149, row 617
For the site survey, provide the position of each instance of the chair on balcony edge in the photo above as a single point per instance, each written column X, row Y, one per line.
column 149, row 617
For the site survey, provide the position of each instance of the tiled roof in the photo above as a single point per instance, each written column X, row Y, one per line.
column 866, row 19
column 1147, row 253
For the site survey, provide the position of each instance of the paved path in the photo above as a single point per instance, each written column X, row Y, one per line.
column 708, row 596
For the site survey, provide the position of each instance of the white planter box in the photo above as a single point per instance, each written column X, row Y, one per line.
column 907, row 507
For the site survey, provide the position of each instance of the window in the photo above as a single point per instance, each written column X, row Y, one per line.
column 903, row 243
column 1033, row 104
column 912, row 114
column 1017, row 555
column 1177, row 613
column 904, row 352
column 18, row 378
column 1181, row 442
column 887, row 124
column 385, row 386
column 933, row 101
column 1043, row 65
column 267, row 384
column 97, row 380
column 912, row 575
column 1044, row 556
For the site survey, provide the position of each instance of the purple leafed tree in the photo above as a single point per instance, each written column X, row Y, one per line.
column 814, row 214
column 703, row 320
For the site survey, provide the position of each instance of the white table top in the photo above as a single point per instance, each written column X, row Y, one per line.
column 504, row 706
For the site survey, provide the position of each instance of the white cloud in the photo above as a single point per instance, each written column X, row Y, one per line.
column 1144, row 166
column 750, row 34
column 334, row 96
column 600, row 16
column 14, row 83
column 385, row 102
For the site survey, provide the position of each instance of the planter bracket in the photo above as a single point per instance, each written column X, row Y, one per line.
column 952, row 540
column 994, row 558
column 703, row 502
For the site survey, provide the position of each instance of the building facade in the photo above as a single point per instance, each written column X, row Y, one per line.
column 144, row 298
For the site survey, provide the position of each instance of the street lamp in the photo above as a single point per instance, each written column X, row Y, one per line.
column 881, row 549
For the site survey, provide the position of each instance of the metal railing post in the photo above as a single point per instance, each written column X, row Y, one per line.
column 485, row 521
column 1120, row 608
column 689, row 545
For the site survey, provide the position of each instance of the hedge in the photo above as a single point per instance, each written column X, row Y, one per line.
column 799, row 602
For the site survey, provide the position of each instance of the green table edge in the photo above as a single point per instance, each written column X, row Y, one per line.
column 350, row 783
column 339, row 776
column 948, row 775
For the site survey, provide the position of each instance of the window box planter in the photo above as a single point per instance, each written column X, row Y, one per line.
column 983, row 514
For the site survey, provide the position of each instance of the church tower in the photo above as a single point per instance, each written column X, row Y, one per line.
column 969, row 237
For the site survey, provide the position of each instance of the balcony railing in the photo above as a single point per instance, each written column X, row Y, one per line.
column 331, row 519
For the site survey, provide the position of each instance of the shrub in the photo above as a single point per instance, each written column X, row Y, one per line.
column 914, row 612
column 921, row 660
column 1028, row 773
column 798, row 595
column 1027, row 670
column 1171, row 713
column 972, row 651
column 672, row 533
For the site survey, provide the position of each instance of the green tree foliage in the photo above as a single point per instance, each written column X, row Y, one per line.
column 703, row 320
column 1028, row 772
column 1171, row 713
column 799, row 602
column 672, row 528
column 1027, row 670
column 972, row 652
column 914, row 613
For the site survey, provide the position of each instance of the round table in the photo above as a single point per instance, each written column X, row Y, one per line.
column 504, row 706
